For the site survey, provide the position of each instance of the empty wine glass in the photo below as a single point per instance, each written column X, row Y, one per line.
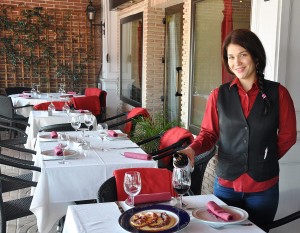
column 75, row 122
column 66, row 107
column 63, row 143
column 102, row 129
column 88, row 120
column 132, row 185
column 33, row 90
column 181, row 181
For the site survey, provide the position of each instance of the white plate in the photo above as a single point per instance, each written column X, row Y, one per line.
column 50, row 154
column 120, row 136
column 239, row 215
column 46, row 138
column 172, row 202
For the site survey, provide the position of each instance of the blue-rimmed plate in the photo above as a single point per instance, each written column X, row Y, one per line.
column 181, row 216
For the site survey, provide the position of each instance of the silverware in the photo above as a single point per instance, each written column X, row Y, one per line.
column 128, row 147
column 120, row 207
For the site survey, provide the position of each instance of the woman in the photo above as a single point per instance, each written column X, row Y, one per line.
column 254, row 122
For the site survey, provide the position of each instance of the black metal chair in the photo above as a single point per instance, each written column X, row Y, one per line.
column 8, row 111
column 16, row 90
column 60, row 127
column 125, row 121
column 15, row 208
column 282, row 221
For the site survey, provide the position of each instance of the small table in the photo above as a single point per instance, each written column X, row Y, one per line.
column 23, row 100
column 103, row 217
column 59, row 185
column 39, row 119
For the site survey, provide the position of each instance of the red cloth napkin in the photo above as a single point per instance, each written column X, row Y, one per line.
column 58, row 151
column 154, row 197
column 112, row 133
column 24, row 92
column 134, row 155
column 71, row 92
column 54, row 134
column 218, row 211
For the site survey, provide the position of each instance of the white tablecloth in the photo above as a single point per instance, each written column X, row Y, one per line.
column 103, row 217
column 61, row 184
column 38, row 119
column 19, row 101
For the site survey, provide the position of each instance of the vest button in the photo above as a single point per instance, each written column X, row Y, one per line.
column 246, row 128
column 245, row 141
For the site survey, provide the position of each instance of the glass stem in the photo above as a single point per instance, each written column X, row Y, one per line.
column 180, row 201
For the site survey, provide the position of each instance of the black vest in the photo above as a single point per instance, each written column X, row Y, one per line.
column 247, row 145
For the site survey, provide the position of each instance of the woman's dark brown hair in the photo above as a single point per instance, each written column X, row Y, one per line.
column 248, row 40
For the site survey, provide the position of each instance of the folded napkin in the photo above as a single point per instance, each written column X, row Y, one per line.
column 54, row 134
column 218, row 211
column 71, row 92
column 134, row 155
column 112, row 133
column 28, row 92
column 24, row 95
column 81, row 110
column 58, row 151
column 153, row 197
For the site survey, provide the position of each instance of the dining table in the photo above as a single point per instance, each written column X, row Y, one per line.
column 106, row 217
column 60, row 185
column 24, row 99
column 38, row 119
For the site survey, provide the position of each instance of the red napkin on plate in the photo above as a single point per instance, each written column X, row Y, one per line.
column 153, row 197
column 24, row 95
column 58, row 151
column 218, row 211
column 54, row 134
column 134, row 155
column 112, row 133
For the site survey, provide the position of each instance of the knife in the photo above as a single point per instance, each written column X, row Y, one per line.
column 120, row 207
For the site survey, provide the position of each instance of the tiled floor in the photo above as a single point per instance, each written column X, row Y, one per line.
column 25, row 224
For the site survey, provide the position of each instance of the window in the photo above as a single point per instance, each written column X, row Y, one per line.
column 131, row 59
column 210, row 18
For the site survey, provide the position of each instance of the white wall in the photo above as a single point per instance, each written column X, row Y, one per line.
column 276, row 22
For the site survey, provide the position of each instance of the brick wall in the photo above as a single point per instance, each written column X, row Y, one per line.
column 79, row 32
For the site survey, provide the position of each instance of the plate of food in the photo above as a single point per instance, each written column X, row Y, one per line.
column 117, row 137
column 47, row 137
column 50, row 154
column 205, row 216
column 154, row 218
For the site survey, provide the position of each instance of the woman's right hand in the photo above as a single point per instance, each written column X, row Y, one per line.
column 188, row 151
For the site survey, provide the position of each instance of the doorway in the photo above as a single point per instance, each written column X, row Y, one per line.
column 173, row 58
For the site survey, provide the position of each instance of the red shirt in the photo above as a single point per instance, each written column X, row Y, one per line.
column 209, row 133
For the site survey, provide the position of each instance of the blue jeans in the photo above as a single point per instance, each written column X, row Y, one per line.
column 261, row 206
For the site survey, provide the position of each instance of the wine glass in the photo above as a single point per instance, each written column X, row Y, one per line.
column 66, row 107
column 75, row 122
column 88, row 120
column 102, row 129
column 181, row 181
column 132, row 185
column 62, row 143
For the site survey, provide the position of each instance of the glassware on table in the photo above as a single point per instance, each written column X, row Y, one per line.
column 75, row 122
column 132, row 185
column 38, row 93
column 63, row 143
column 102, row 129
column 66, row 108
column 51, row 108
column 181, row 182
column 33, row 90
column 88, row 120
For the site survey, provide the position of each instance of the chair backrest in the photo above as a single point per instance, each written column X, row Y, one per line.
column 153, row 180
column 135, row 112
column 200, row 165
column 16, row 90
column 6, row 109
column 91, row 103
column 44, row 106
column 90, row 91
column 171, row 137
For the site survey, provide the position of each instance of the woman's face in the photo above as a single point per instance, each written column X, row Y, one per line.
column 241, row 63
